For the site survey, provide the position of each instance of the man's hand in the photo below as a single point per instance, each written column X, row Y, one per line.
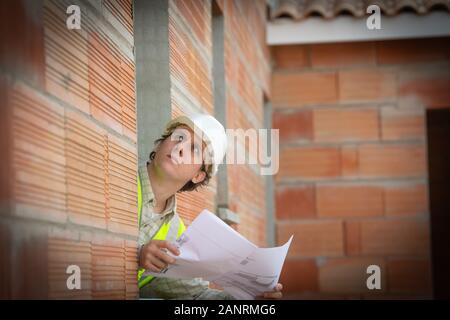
column 154, row 257
column 275, row 294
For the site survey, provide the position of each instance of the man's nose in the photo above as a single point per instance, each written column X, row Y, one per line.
column 181, row 148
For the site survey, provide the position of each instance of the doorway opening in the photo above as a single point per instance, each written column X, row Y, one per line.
column 438, row 135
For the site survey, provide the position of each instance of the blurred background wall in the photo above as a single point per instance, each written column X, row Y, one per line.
column 353, row 184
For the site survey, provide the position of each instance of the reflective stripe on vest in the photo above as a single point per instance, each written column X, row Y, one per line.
column 171, row 231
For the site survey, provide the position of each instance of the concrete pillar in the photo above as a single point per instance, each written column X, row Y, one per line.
column 151, row 34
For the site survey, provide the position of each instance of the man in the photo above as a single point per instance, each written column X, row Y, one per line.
column 185, row 158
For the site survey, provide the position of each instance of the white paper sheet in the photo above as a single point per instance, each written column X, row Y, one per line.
column 214, row 251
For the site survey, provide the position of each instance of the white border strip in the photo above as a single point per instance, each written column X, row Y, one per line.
column 344, row 29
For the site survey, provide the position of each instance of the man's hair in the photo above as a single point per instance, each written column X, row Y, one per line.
column 189, row 186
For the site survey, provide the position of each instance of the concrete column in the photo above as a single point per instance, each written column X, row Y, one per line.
column 218, row 36
column 270, row 206
column 151, row 35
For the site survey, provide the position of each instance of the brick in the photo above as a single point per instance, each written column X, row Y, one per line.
column 290, row 56
column 367, row 85
column 409, row 199
column 295, row 202
column 108, row 268
column 123, row 11
column 131, row 267
column 349, row 161
column 63, row 251
column 313, row 162
column 299, row 276
column 402, row 123
column 190, row 204
column 250, row 225
column 194, row 13
column 237, row 116
column 189, row 66
column 38, row 155
column 121, row 184
column 293, row 126
column 251, row 187
column 392, row 160
column 313, row 238
column 395, row 237
column 430, row 85
column 352, row 231
column 128, row 98
column 342, row 54
column 410, row 276
column 66, row 58
column 24, row 263
column 349, row 124
column 349, row 200
column 409, row 51
column 104, row 85
column 349, row 275
column 56, row 232
column 86, row 169
column 297, row 89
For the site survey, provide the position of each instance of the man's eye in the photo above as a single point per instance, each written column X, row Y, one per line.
column 196, row 149
column 179, row 137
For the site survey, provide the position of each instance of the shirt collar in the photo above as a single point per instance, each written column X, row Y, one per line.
column 148, row 196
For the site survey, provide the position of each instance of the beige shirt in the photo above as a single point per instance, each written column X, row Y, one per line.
column 150, row 220
column 167, row 288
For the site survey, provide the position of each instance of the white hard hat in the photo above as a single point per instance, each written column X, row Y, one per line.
column 210, row 130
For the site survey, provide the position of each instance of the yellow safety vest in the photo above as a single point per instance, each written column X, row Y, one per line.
column 160, row 235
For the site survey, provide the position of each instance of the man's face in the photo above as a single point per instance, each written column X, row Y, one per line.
column 180, row 156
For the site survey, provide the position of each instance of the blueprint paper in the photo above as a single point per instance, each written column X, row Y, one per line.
column 214, row 251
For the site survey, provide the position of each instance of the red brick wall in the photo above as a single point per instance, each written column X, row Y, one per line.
column 247, row 73
column 247, row 76
column 352, row 184
column 68, row 186
column 69, row 196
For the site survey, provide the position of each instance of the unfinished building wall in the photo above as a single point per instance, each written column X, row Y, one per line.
column 69, row 183
column 353, row 179
column 69, row 134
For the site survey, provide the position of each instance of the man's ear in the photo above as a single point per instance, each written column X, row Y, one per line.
column 199, row 177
